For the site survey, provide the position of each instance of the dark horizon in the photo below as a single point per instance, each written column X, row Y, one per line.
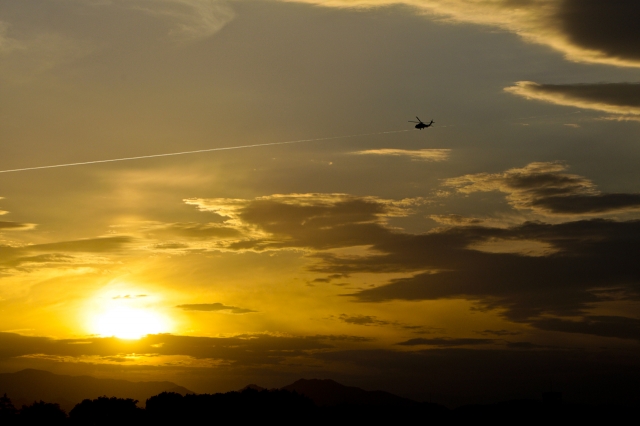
column 317, row 401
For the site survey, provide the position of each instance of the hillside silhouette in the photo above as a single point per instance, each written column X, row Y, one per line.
column 27, row 386
column 328, row 393
column 311, row 402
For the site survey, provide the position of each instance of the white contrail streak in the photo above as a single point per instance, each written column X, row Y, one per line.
column 112, row 160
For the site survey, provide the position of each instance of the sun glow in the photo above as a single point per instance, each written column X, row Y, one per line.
column 129, row 323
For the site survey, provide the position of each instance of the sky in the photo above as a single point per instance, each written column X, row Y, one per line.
column 491, row 256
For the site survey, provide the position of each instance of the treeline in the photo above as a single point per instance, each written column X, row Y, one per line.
column 251, row 406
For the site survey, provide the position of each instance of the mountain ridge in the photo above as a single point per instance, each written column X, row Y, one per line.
column 327, row 393
column 29, row 385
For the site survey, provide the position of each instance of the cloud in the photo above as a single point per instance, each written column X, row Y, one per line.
column 192, row 19
column 598, row 325
column 526, row 272
column 499, row 333
column 524, row 345
column 418, row 155
column 7, row 44
column 374, row 321
column 247, row 349
column 588, row 255
column 215, row 307
column 584, row 30
column 15, row 226
column 362, row 320
column 28, row 50
column 446, row 342
column 330, row 278
column 61, row 255
column 170, row 246
column 454, row 219
column 32, row 43
column 314, row 221
column 453, row 375
column 94, row 245
column 547, row 189
column 192, row 230
column 608, row 28
column 622, row 99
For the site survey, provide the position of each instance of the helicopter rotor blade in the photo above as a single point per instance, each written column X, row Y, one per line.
column 418, row 119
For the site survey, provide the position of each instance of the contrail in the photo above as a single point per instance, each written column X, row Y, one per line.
column 170, row 154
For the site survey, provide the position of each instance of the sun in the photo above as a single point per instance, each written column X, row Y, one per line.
column 128, row 323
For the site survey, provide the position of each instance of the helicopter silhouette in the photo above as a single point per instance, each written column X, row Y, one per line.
column 420, row 124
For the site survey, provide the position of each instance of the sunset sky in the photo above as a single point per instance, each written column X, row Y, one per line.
column 491, row 256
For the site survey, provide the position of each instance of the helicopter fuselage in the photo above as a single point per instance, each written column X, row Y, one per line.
column 421, row 125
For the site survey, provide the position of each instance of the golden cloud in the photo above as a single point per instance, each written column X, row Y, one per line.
column 420, row 154
column 622, row 99
column 546, row 188
column 584, row 30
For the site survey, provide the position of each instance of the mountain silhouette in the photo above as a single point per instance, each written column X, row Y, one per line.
column 27, row 386
column 253, row 387
column 328, row 393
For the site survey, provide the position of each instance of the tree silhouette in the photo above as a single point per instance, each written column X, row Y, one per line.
column 235, row 407
column 106, row 411
column 7, row 411
column 42, row 413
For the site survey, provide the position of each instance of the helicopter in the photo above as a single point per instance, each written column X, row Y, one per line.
column 420, row 124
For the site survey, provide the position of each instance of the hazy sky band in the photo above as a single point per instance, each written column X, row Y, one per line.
column 199, row 151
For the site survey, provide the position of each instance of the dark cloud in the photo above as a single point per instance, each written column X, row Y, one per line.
column 245, row 349
column 616, row 98
column 362, row 320
column 446, row 342
column 170, row 246
column 88, row 252
column 330, row 278
column 581, row 204
column 452, row 376
column 609, row 326
column 547, row 188
column 592, row 31
column 608, row 27
column 215, row 307
column 15, row 226
column 590, row 254
column 195, row 230
column 374, row 321
column 499, row 333
column 524, row 345
column 583, row 263
column 91, row 245
column 316, row 221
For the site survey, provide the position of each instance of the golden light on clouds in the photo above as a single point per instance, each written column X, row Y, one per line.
column 620, row 99
column 562, row 25
column 419, row 155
